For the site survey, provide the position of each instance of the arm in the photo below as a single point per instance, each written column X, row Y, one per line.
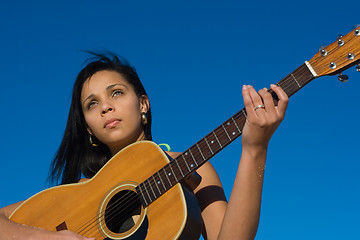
column 16, row 231
column 240, row 217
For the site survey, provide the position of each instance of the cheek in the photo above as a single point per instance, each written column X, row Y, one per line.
column 133, row 108
column 90, row 121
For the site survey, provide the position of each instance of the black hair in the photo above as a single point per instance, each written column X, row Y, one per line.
column 76, row 156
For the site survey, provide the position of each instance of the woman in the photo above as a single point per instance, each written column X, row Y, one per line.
column 110, row 110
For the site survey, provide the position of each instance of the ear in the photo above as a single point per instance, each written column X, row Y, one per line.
column 144, row 103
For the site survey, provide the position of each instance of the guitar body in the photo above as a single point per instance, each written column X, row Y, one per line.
column 107, row 206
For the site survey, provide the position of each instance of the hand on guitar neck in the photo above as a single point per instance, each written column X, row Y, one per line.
column 263, row 117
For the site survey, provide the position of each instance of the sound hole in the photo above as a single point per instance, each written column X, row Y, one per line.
column 122, row 211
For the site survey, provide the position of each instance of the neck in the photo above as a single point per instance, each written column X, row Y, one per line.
column 118, row 147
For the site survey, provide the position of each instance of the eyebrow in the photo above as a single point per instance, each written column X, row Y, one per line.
column 107, row 88
column 113, row 85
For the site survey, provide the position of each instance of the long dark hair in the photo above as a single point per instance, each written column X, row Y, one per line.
column 76, row 156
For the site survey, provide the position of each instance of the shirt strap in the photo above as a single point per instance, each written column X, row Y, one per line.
column 167, row 146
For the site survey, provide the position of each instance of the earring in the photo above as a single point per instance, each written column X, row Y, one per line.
column 144, row 119
column 92, row 142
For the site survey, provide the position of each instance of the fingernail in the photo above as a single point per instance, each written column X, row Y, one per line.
column 273, row 85
column 265, row 89
column 244, row 87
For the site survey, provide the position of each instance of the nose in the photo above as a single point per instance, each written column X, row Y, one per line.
column 106, row 107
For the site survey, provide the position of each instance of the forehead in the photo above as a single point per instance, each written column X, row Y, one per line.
column 99, row 82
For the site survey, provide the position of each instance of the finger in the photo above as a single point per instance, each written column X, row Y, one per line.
column 248, row 102
column 283, row 98
column 267, row 100
column 258, row 105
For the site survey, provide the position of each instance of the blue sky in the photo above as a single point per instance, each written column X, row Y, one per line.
column 193, row 58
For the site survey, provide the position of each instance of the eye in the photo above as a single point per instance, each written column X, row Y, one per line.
column 92, row 104
column 117, row 93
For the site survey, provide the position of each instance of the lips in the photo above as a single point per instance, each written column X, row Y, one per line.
column 111, row 123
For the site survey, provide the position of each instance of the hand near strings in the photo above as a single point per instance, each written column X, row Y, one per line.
column 263, row 117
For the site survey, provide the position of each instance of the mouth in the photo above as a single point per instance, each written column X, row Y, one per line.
column 111, row 123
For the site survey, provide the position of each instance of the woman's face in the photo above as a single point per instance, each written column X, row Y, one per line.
column 112, row 110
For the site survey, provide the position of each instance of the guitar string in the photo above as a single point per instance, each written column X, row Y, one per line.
column 196, row 151
column 122, row 212
column 111, row 216
column 193, row 151
column 128, row 197
column 286, row 86
column 113, row 206
column 101, row 215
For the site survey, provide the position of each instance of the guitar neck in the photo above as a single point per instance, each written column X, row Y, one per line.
column 194, row 157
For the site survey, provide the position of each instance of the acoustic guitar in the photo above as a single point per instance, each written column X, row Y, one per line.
column 147, row 200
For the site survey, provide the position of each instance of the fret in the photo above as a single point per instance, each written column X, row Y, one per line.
column 306, row 76
column 170, row 174
column 206, row 152
column 232, row 129
column 143, row 196
column 286, row 84
column 200, row 152
column 186, row 162
column 244, row 112
column 209, row 146
column 217, row 139
column 222, row 137
column 194, row 159
column 182, row 174
column 190, row 160
column 240, row 121
column 213, row 143
column 156, row 184
column 173, row 173
column 295, row 80
column 148, row 180
column 226, row 132
column 236, row 125
column 167, row 177
column 161, row 181
column 147, row 192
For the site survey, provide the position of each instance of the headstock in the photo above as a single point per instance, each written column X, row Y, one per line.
column 338, row 56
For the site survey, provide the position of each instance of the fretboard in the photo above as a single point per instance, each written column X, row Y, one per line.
column 194, row 157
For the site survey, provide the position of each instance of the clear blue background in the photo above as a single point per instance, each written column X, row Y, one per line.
column 193, row 58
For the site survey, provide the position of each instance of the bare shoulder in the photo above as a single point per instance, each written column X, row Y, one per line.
column 173, row 154
column 8, row 210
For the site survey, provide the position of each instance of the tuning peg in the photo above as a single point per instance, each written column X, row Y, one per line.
column 350, row 56
column 322, row 50
column 358, row 68
column 343, row 78
column 340, row 42
column 357, row 31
